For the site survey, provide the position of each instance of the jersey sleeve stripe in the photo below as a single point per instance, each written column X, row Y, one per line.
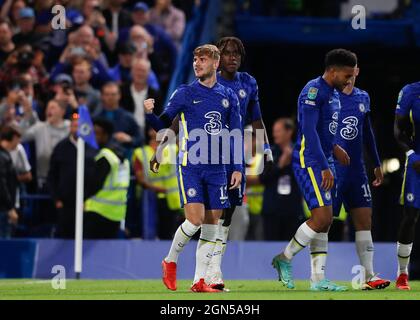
column 301, row 152
column 402, row 196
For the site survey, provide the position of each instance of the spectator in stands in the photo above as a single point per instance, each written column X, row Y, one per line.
column 46, row 135
column 254, row 191
column 142, row 40
column 9, row 140
column 116, row 17
column 121, row 72
column 106, row 192
column 85, row 93
column 83, row 44
column 26, row 34
column 23, row 60
column 6, row 43
column 62, row 91
column 165, row 52
column 134, row 93
column 22, row 168
column 126, row 129
column 10, row 10
column 170, row 18
column 62, row 179
column 282, row 206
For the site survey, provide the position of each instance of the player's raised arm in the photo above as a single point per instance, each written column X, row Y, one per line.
column 172, row 109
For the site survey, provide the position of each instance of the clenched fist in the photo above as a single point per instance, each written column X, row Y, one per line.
column 149, row 105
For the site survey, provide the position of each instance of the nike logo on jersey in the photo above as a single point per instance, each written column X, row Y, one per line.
column 197, row 101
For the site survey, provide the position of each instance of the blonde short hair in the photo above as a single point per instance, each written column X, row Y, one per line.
column 208, row 50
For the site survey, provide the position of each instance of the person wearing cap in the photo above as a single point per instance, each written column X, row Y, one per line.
column 26, row 23
column 62, row 179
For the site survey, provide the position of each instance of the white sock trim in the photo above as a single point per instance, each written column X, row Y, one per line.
column 188, row 228
column 209, row 232
column 364, row 235
column 308, row 231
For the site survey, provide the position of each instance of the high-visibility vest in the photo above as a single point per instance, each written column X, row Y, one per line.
column 342, row 216
column 255, row 194
column 111, row 200
column 166, row 177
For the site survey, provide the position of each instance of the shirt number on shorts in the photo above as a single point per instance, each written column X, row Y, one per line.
column 366, row 189
column 223, row 193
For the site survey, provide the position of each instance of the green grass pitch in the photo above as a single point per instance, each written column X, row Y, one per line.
column 24, row 289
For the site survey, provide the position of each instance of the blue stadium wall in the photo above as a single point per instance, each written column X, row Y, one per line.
column 138, row 259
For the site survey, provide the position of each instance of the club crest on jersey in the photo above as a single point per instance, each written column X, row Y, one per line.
column 328, row 195
column 312, row 93
column 242, row 93
column 362, row 108
column 191, row 192
column 225, row 103
column 410, row 197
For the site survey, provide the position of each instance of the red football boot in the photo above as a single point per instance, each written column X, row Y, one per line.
column 376, row 283
column 169, row 275
column 402, row 282
column 201, row 286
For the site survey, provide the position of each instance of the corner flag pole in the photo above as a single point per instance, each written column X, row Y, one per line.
column 78, row 249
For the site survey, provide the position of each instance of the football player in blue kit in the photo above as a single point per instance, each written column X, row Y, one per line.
column 204, row 106
column 313, row 166
column 407, row 133
column 245, row 86
column 354, row 132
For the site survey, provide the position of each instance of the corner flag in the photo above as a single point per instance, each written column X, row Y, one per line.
column 85, row 127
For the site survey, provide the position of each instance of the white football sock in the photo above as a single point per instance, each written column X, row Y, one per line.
column 214, row 271
column 404, row 252
column 205, row 248
column 302, row 238
column 365, row 250
column 182, row 236
column 319, row 251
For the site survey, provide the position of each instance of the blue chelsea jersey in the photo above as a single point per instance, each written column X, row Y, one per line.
column 354, row 109
column 409, row 105
column 317, row 97
column 208, row 109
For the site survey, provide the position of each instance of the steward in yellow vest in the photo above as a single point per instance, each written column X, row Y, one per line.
column 254, row 198
column 106, row 191
column 163, row 183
